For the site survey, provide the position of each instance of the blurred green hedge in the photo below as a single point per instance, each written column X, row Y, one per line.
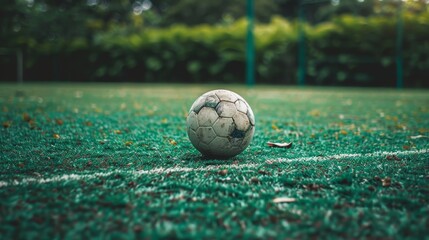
column 348, row 50
column 362, row 51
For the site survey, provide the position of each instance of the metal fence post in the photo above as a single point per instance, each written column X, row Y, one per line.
column 301, row 46
column 19, row 66
column 399, row 46
column 250, row 44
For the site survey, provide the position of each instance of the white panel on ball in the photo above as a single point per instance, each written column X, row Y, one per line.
column 206, row 117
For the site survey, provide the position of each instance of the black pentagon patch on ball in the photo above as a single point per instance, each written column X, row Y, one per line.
column 238, row 134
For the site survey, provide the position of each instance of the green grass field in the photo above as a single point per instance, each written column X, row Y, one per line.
column 114, row 161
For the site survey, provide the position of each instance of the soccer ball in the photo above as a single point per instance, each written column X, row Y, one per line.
column 220, row 124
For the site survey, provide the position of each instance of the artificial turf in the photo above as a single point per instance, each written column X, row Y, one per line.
column 113, row 161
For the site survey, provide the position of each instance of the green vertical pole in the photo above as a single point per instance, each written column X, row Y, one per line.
column 399, row 43
column 19, row 65
column 301, row 46
column 250, row 45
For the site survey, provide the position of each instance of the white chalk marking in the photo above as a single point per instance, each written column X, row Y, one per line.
column 161, row 170
column 354, row 155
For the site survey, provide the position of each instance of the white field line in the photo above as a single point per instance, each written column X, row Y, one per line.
column 161, row 170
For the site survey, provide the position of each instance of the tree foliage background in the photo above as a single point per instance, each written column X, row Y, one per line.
column 200, row 41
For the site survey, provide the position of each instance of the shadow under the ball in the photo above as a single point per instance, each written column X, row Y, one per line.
column 208, row 160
